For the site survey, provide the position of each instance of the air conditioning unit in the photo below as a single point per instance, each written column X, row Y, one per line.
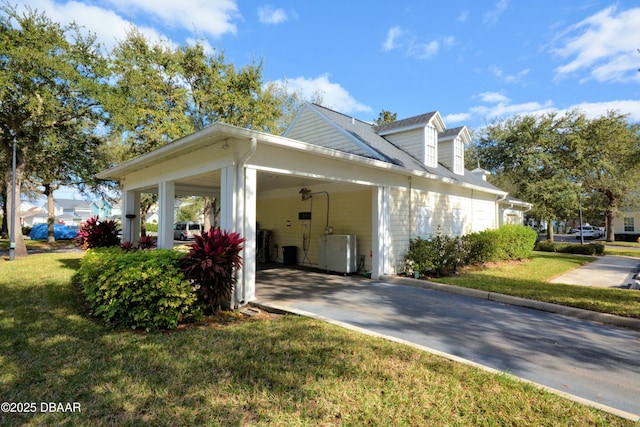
column 337, row 253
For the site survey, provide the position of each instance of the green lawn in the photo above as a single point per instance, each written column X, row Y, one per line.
column 287, row 370
column 529, row 280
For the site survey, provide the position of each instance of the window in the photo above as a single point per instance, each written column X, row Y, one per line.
column 431, row 146
column 458, row 224
column 458, row 156
column 629, row 224
column 424, row 222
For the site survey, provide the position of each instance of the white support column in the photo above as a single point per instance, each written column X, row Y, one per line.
column 381, row 232
column 246, row 286
column 131, row 216
column 228, row 190
column 166, row 201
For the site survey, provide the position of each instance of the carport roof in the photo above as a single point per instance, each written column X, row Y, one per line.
column 220, row 132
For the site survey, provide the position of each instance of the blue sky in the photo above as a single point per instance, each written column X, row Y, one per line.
column 473, row 61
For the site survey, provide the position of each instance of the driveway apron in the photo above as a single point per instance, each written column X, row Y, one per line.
column 589, row 360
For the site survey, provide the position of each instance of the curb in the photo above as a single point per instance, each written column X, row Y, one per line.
column 579, row 313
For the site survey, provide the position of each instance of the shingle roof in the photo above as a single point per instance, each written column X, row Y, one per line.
column 449, row 133
column 386, row 151
column 409, row 123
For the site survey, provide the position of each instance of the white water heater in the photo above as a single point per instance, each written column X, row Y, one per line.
column 337, row 253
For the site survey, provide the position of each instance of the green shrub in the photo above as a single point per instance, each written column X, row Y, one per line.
column 589, row 249
column 515, row 241
column 136, row 289
column 481, row 247
column 440, row 254
column 547, row 246
column 151, row 226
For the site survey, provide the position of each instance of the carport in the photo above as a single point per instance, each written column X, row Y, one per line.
column 258, row 179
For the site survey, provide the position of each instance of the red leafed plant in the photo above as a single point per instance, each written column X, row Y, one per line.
column 95, row 233
column 210, row 263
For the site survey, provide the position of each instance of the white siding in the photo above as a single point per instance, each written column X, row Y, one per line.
column 311, row 128
column 433, row 208
column 451, row 155
column 445, row 153
column 410, row 141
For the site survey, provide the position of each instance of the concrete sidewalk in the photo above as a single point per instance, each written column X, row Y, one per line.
column 609, row 271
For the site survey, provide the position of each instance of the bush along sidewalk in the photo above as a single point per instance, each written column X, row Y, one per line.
column 441, row 254
column 568, row 248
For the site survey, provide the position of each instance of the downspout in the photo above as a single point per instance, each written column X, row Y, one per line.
column 410, row 208
column 241, row 206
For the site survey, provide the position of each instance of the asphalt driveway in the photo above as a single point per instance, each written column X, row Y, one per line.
column 589, row 360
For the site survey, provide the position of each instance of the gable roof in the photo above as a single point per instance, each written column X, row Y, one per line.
column 410, row 123
column 452, row 133
column 384, row 150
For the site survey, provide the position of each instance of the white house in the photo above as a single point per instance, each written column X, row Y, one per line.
column 627, row 222
column 329, row 173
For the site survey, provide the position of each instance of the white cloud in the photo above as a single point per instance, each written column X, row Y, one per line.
column 463, row 17
column 492, row 17
column 110, row 25
column 496, row 106
column 398, row 38
column 392, row 36
column 602, row 45
column 332, row 95
column 509, row 78
column 268, row 15
column 595, row 109
column 214, row 18
column 493, row 97
column 456, row 118
column 424, row 50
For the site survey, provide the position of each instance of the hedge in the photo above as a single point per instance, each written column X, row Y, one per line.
column 136, row 289
column 588, row 249
column 442, row 254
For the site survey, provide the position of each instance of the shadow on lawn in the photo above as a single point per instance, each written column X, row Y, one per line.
column 52, row 354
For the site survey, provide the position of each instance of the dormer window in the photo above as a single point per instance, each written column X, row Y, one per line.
column 430, row 146
column 458, row 156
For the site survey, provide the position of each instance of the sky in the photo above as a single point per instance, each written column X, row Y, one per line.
column 474, row 61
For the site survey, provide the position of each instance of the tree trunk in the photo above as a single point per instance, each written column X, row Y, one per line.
column 550, row 231
column 207, row 211
column 51, row 215
column 611, row 233
column 20, row 248
column 4, row 231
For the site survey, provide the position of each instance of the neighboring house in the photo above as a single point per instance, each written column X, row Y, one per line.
column 627, row 223
column 512, row 211
column 66, row 211
column 329, row 173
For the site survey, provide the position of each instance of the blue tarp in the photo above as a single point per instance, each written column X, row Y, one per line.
column 39, row 232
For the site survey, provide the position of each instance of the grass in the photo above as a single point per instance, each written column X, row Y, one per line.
column 529, row 280
column 287, row 370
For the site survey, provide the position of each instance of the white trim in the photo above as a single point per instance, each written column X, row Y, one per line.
column 381, row 237
column 166, row 202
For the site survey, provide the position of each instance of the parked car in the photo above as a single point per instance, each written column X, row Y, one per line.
column 184, row 230
column 587, row 232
